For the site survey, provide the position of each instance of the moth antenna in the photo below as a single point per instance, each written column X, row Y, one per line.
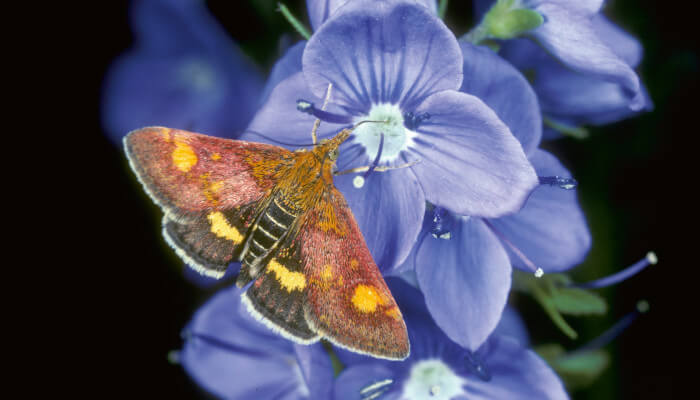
column 366, row 121
column 314, row 138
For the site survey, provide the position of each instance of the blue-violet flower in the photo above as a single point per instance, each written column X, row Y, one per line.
column 183, row 72
column 395, row 61
column 439, row 368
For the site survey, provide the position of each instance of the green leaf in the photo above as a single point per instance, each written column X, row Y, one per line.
column 550, row 352
column 504, row 22
column 548, row 305
column 577, row 370
column 575, row 301
column 580, row 370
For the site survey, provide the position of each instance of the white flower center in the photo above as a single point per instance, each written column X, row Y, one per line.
column 396, row 137
column 433, row 380
column 198, row 75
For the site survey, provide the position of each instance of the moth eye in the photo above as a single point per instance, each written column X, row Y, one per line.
column 333, row 154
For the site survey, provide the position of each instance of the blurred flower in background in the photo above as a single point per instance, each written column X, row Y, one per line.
column 580, row 63
column 182, row 72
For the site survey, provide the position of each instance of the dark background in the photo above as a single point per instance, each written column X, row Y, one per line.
column 133, row 312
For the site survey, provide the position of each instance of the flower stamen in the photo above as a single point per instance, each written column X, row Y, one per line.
column 562, row 183
column 613, row 332
column 376, row 159
column 412, row 121
column 539, row 272
column 649, row 259
column 326, row 116
column 376, row 389
column 442, row 224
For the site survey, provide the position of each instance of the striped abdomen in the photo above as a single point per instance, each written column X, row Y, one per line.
column 265, row 238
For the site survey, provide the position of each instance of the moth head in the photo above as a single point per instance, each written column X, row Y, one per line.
column 329, row 147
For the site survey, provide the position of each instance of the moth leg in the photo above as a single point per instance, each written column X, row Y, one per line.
column 314, row 137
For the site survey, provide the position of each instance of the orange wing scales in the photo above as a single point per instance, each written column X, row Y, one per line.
column 206, row 189
column 278, row 212
column 348, row 301
column 188, row 174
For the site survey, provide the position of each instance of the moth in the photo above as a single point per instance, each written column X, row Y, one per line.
column 279, row 213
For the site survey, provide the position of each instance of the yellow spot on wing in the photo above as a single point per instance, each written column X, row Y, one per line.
column 221, row 228
column 366, row 298
column 210, row 189
column 327, row 273
column 288, row 279
column 216, row 186
column 184, row 157
column 216, row 156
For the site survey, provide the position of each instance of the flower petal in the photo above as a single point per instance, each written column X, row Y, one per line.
column 583, row 99
column 513, row 326
column 183, row 72
column 571, row 37
column 355, row 378
column 389, row 210
column 316, row 368
column 583, row 6
column 281, row 106
column 626, row 46
column 288, row 65
column 321, row 10
column 227, row 348
column 516, row 373
column 382, row 52
column 468, row 275
column 504, row 89
column 470, row 163
column 550, row 229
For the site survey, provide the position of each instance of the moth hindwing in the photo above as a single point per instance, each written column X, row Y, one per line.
column 279, row 213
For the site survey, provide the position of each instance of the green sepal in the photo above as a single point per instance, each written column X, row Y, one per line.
column 551, row 291
column 503, row 21
column 577, row 370
column 575, row 301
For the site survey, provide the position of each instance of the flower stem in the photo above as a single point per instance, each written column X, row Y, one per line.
column 296, row 24
column 442, row 8
column 568, row 130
